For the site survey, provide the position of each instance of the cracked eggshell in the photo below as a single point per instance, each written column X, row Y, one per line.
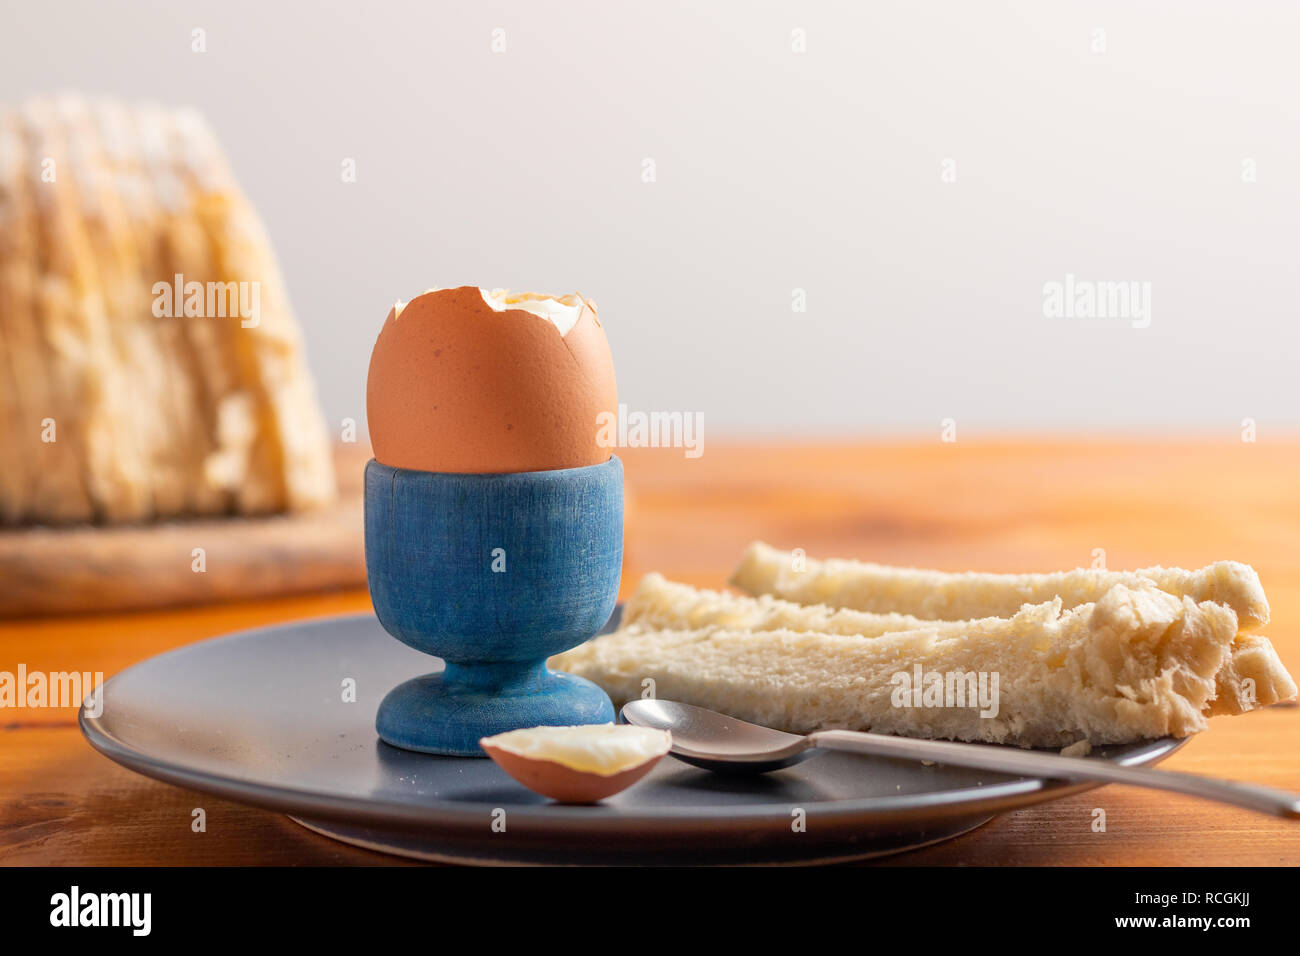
column 458, row 386
column 582, row 764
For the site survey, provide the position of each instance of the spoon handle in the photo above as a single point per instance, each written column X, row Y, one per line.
column 1032, row 763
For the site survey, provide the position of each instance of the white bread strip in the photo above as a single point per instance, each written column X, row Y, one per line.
column 660, row 604
column 1137, row 664
column 945, row 596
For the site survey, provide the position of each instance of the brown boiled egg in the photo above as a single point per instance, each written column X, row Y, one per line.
column 475, row 381
column 581, row 764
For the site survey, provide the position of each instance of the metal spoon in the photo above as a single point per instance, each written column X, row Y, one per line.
column 714, row 741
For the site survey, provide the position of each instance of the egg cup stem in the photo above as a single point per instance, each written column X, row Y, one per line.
column 437, row 714
column 494, row 574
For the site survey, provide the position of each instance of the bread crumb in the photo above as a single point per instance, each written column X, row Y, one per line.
column 1080, row 748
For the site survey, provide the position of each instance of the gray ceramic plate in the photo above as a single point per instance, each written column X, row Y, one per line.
column 260, row 717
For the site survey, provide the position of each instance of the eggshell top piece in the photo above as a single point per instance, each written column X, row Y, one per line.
column 601, row 749
column 458, row 386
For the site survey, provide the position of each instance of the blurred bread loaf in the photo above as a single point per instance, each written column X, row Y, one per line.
column 150, row 365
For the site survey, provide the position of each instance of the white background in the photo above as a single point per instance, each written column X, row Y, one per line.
column 775, row 171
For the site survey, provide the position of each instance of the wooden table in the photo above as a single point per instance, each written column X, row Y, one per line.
column 1008, row 506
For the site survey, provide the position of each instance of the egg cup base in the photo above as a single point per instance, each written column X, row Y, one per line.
column 436, row 715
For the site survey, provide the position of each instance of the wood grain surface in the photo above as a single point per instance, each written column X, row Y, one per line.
column 997, row 506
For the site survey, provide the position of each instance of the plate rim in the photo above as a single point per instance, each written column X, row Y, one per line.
column 552, row 817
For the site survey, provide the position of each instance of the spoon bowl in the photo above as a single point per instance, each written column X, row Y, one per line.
column 713, row 741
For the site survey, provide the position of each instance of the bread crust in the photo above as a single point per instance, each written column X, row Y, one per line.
column 947, row 596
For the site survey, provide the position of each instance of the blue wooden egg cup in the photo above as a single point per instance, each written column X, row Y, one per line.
column 494, row 574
